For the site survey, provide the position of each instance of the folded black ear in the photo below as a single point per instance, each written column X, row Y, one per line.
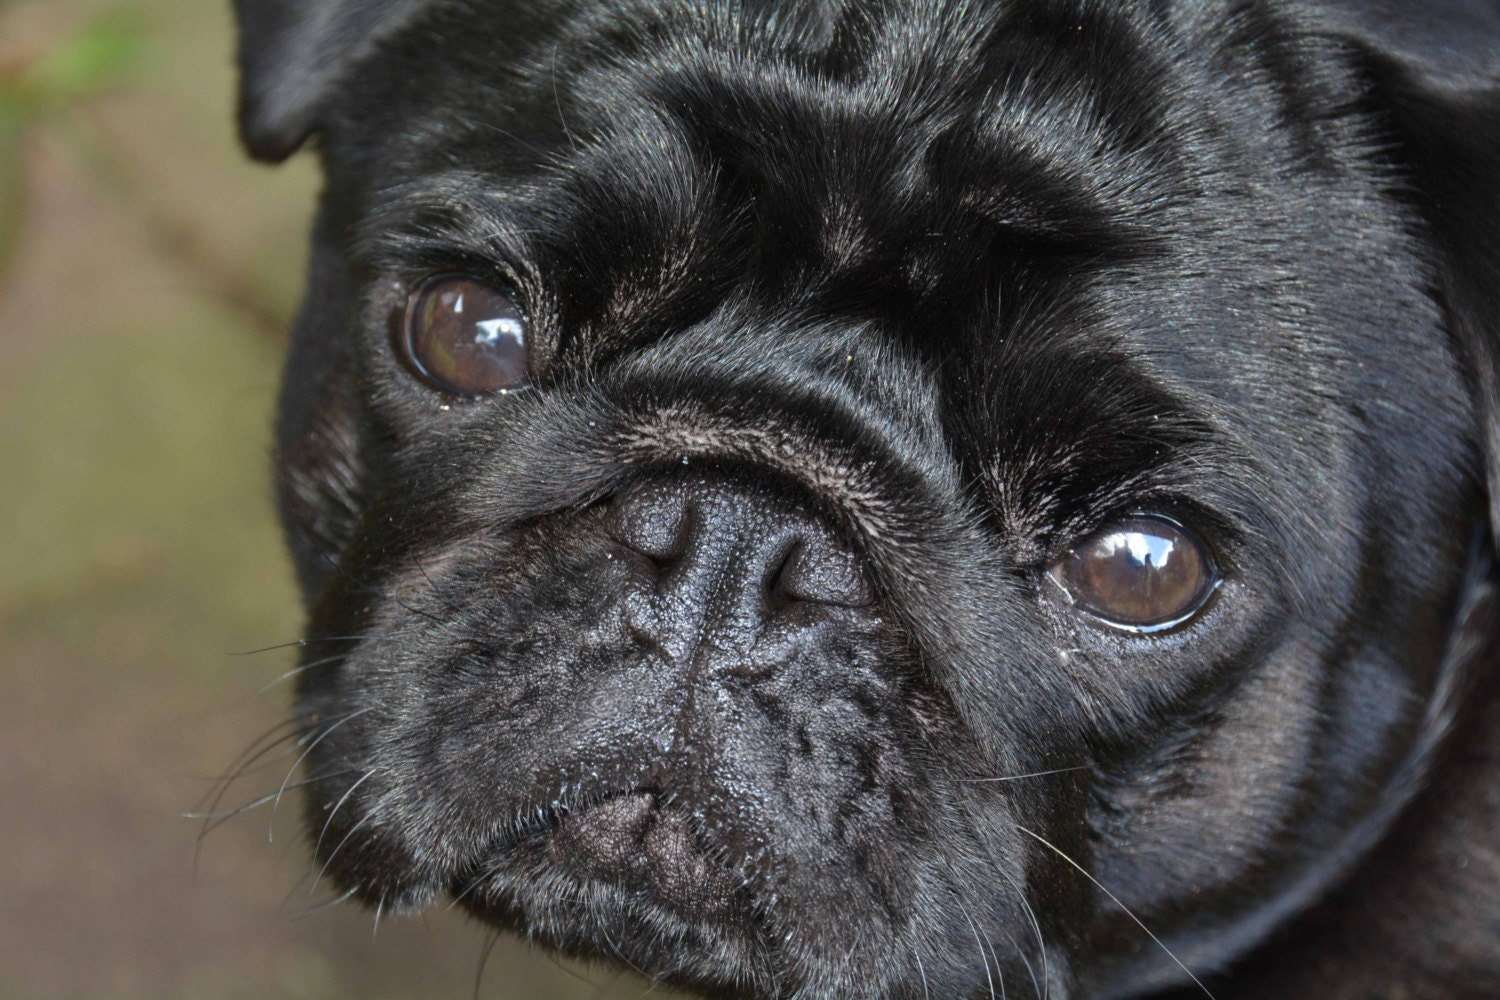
column 292, row 53
column 1435, row 69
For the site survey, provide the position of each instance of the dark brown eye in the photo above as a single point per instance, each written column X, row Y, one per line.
column 465, row 337
column 1142, row 574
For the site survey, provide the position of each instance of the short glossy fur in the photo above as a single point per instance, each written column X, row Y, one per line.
column 942, row 287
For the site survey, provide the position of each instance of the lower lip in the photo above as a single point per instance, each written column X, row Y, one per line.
column 634, row 843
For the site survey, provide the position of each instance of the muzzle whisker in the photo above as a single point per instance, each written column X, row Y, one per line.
column 271, row 829
column 1116, row 900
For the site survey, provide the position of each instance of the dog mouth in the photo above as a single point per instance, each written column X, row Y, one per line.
column 637, row 845
column 642, row 845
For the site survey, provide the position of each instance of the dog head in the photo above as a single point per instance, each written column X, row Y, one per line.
column 873, row 498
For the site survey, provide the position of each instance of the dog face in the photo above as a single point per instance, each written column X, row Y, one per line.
column 874, row 498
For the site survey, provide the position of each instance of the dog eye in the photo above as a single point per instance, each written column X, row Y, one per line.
column 464, row 337
column 1142, row 574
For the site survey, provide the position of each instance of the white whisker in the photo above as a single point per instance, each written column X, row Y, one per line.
column 271, row 829
column 1116, row 900
column 1033, row 774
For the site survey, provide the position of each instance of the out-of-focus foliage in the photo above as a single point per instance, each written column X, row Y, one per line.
column 90, row 62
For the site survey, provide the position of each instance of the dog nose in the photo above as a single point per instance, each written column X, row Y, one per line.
column 748, row 542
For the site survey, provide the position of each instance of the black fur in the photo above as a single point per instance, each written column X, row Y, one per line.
column 934, row 289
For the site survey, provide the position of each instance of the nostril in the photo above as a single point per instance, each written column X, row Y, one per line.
column 779, row 586
column 813, row 570
column 653, row 522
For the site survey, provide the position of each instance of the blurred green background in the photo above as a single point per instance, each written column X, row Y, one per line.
column 147, row 276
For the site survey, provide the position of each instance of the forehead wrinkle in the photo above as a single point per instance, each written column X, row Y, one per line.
column 798, row 131
column 640, row 173
column 834, row 145
column 1068, row 124
column 1062, row 406
column 835, row 142
column 641, row 202
column 448, row 214
column 1034, row 159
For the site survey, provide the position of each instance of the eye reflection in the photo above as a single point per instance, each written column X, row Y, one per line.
column 1144, row 551
column 1142, row 574
column 489, row 333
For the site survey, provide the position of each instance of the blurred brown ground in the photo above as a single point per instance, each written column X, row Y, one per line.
column 146, row 276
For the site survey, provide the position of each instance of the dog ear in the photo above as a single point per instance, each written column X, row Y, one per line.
column 1435, row 69
column 292, row 53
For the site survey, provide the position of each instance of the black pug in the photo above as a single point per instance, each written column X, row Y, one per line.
column 905, row 498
